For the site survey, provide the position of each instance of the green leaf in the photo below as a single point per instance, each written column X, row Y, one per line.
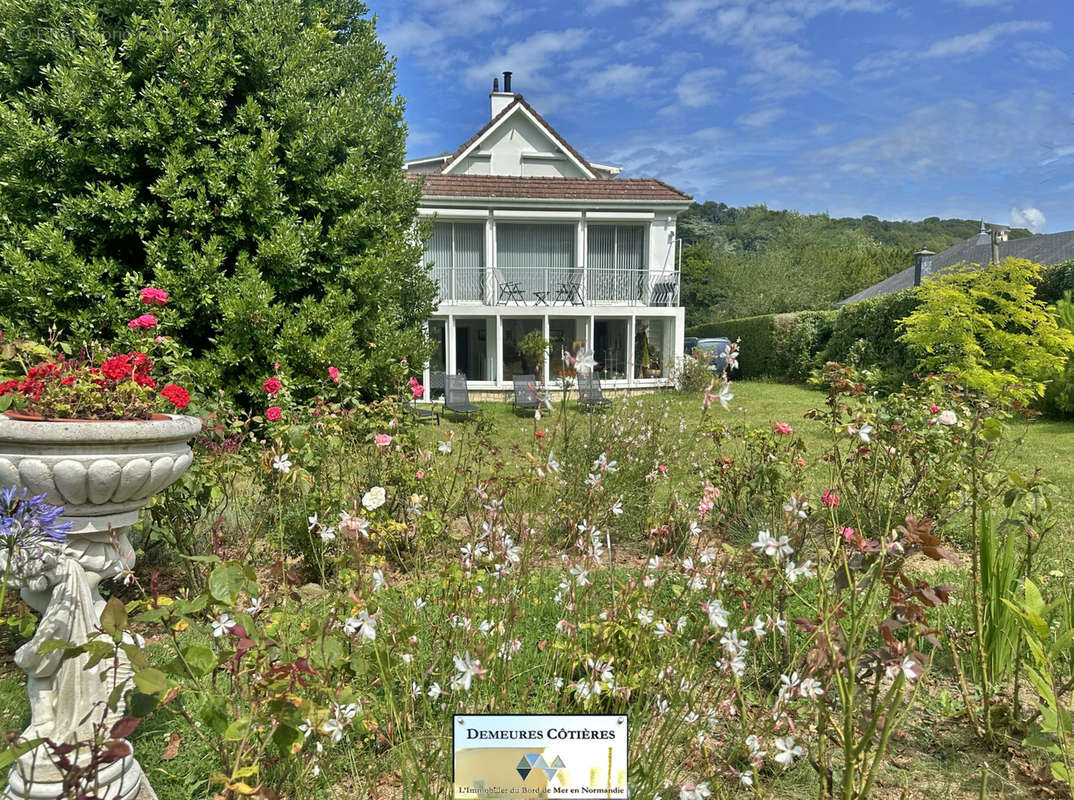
column 114, row 618
column 225, row 583
column 236, row 730
column 16, row 751
column 200, row 659
column 151, row 681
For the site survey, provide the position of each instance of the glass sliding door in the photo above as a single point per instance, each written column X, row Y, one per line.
column 475, row 348
column 456, row 255
column 610, row 348
column 654, row 347
column 539, row 258
column 615, row 262
column 564, row 334
column 515, row 331
column 438, row 359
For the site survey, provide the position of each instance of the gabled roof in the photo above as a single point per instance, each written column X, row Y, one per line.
column 1042, row 248
column 502, row 186
column 511, row 108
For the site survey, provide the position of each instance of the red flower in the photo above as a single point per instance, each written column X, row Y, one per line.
column 273, row 413
column 117, row 367
column 7, row 387
column 333, row 373
column 830, row 499
column 540, row 434
column 144, row 321
column 416, row 389
column 271, row 386
column 783, row 428
column 144, row 380
column 177, row 395
column 153, row 297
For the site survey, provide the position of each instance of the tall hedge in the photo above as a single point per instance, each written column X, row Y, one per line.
column 243, row 156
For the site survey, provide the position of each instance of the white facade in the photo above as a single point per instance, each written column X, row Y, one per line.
column 529, row 236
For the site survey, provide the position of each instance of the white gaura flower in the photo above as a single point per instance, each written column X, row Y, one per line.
column 617, row 509
column 334, row 728
column 374, row 498
column 553, row 465
column 256, row 606
column 645, row 616
column 584, row 362
column 662, row 628
column 363, row 625
column 717, row 613
column 445, row 448
column 758, row 627
column 419, row 604
column 654, row 563
column 435, row 691
column 863, row 432
column 746, row 778
column 724, row 396
column 733, row 643
column 282, row 463
column 328, row 534
column 691, row 791
column 788, row 751
column 467, row 669
column 810, row 688
column 948, row 417
column 378, row 581
column 312, row 520
column 793, row 572
column 754, row 744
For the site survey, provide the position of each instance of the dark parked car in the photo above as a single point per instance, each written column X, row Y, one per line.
column 688, row 345
column 713, row 351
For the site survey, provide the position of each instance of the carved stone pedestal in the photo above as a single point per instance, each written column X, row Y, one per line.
column 102, row 473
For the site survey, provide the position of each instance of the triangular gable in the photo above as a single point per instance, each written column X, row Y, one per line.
column 516, row 106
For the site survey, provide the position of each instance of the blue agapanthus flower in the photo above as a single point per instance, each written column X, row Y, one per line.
column 27, row 520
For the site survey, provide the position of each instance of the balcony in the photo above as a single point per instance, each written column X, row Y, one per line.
column 557, row 286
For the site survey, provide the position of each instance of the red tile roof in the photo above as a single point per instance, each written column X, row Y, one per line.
column 549, row 188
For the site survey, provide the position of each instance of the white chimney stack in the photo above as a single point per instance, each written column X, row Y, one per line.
column 501, row 100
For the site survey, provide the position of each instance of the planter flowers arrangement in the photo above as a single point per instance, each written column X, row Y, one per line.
column 84, row 445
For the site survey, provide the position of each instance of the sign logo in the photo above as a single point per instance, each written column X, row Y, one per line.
column 552, row 756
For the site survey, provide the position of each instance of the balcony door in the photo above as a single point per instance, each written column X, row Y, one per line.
column 455, row 253
column 537, row 257
column 616, row 262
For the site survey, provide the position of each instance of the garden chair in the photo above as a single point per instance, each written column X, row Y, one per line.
column 506, row 290
column 421, row 414
column 569, row 291
column 590, row 393
column 457, row 397
column 526, row 394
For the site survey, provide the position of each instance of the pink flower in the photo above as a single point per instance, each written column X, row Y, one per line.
column 934, row 409
column 144, row 321
column 783, row 428
column 273, row 413
column 271, row 386
column 333, row 373
column 830, row 499
column 153, row 297
column 420, row 474
column 382, row 440
column 416, row 389
column 848, row 533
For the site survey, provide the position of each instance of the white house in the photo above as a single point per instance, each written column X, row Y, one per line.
column 530, row 236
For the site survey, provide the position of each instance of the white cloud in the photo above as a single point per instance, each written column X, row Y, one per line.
column 761, row 118
column 1032, row 218
column 695, row 89
column 529, row 58
column 619, row 79
column 1039, row 55
column 967, row 44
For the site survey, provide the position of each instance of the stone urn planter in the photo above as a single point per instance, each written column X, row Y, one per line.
column 102, row 473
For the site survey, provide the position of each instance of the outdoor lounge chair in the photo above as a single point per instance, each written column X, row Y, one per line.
column 421, row 414
column 590, row 394
column 506, row 290
column 569, row 291
column 457, row 397
column 526, row 394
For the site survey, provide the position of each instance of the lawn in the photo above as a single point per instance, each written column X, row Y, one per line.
column 492, row 551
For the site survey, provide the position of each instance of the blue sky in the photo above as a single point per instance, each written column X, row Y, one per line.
column 899, row 108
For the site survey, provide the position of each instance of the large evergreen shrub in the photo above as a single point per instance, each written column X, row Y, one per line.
column 244, row 156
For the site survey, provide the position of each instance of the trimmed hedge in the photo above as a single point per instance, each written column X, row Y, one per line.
column 1054, row 281
column 791, row 346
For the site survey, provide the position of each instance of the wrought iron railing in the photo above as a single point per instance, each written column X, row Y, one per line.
column 553, row 286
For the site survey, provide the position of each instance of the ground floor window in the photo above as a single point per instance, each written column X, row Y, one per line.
column 654, row 347
column 610, row 339
column 438, row 359
column 564, row 335
column 475, row 348
column 518, row 359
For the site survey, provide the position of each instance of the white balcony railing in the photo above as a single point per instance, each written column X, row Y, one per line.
column 551, row 286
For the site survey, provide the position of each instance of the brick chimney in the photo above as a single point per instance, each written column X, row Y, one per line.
column 501, row 100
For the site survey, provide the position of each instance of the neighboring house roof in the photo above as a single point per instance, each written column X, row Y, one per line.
column 1042, row 248
column 519, row 101
column 500, row 186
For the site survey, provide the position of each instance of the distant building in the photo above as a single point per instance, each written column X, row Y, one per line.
column 1042, row 248
column 529, row 236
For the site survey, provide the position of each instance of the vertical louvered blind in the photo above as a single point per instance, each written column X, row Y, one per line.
column 616, row 258
column 456, row 251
